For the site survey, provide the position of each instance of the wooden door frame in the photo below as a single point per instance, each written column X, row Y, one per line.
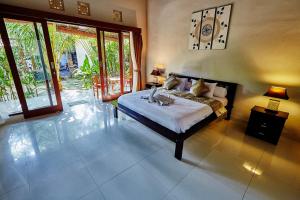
column 14, row 69
column 120, row 50
column 25, row 13
column 8, row 10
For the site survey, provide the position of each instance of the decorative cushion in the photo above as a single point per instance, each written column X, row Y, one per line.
column 211, row 87
column 220, row 92
column 170, row 83
column 181, row 85
column 199, row 88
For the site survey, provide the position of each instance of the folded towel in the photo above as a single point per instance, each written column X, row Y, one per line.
column 163, row 100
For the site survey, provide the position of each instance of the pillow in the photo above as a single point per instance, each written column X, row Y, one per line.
column 170, row 83
column 194, row 81
column 199, row 88
column 211, row 87
column 220, row 92
column 181, row 85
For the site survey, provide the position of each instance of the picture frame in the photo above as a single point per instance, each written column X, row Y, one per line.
column 83, row 8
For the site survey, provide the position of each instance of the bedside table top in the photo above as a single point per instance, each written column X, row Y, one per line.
column 278, row 114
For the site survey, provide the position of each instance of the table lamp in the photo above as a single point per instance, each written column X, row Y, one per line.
column 275, row 92
column 155, row 72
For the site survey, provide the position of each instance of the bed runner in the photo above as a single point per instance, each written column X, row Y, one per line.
column 216, row 105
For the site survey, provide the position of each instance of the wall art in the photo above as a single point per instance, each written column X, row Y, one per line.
column 209, row 28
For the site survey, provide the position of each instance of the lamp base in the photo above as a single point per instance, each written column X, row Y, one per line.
column 273, row 106
column 155, row 80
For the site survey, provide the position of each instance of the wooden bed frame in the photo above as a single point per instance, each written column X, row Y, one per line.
column 179, row 138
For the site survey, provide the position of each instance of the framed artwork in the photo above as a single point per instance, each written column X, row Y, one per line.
column 195, row 30
column 209, row 28
column 83, row 8
column 117, row 16
column 57, row 4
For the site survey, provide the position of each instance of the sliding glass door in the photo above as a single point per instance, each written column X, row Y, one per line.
column 116, row 72
column 101, row 54
column 28, row 48
column 127, row 62
column 9, row 101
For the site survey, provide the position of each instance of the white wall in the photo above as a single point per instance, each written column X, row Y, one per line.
column 263, row 49
column 134, row 13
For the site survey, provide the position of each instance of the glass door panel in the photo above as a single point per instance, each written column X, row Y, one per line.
column 127, row 63
column 112, row 64
column 28, row 45
column 9, row 100
column 76, row 61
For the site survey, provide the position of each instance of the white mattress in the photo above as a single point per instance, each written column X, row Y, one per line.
column 178, row 117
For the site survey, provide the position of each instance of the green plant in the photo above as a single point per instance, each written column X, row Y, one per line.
column 86, row 72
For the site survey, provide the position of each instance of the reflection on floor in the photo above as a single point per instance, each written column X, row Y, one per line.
column 83, row 153
column 68, row 96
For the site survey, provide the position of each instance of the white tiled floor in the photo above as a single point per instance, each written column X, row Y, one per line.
column 85, row 154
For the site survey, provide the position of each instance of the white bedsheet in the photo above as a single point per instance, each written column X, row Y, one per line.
column 178, row 117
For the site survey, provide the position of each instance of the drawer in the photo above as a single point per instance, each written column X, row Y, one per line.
column 265, row 126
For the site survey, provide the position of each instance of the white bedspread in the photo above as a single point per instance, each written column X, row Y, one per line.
column 178, row 117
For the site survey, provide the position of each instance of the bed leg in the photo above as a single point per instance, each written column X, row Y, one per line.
column 178, row 149
column 116, row 112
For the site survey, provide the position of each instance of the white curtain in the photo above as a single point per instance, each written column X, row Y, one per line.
column 135, row 71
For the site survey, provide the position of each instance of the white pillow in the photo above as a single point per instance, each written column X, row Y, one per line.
column 194, row 81
column 181, row 85
column 220, row 92
column 211, row 87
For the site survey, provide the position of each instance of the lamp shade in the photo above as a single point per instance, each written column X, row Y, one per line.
column 277, row 92
column 155, row 72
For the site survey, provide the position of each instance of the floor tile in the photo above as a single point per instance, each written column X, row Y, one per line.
column 70, row 183
column 167, row 169
column 94, row 195
column 111, row 164
column 201, row 184
column 267, row 187
column 135, row 183
column 21, row 193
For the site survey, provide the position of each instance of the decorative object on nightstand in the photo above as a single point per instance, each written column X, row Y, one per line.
column 149, row 85
column 275, row 92
column 155, row 72
column 266, row 125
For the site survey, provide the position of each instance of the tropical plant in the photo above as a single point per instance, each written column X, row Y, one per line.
column 24, row 45
column 86, row 72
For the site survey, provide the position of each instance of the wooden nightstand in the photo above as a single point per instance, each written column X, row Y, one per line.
column 150, row 84
column 265, row 125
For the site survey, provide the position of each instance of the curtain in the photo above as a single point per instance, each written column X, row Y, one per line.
column 136, row 46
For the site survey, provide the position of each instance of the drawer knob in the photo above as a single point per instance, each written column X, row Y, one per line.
column 260, row 133
column 264, row 125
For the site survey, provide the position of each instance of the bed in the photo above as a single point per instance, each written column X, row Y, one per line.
column 178, row 121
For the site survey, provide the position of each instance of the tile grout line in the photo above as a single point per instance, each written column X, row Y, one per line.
column 88, row 171
column 193, row 167
column 253, row 175
column 99, row 186
column 135, row 163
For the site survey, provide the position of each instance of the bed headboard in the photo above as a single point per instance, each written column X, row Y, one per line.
column 231, row 89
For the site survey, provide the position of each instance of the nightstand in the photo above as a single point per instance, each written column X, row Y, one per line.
column 149, row 85
column 266, row 125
